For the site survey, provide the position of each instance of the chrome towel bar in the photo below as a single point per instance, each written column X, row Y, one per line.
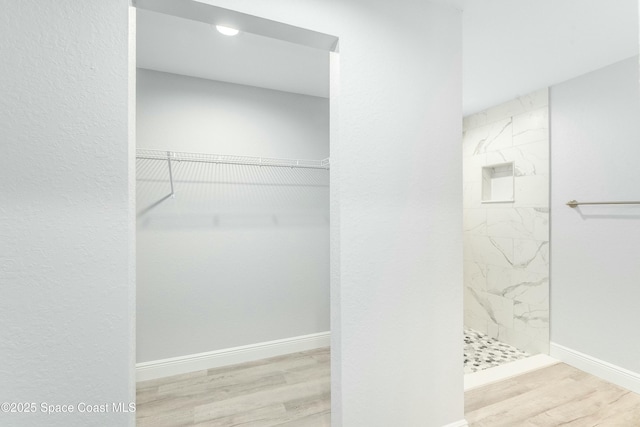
column 575, row 203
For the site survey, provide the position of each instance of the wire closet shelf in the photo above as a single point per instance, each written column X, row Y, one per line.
column 177, row 156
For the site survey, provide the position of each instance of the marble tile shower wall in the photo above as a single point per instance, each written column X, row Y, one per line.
column 506, row 245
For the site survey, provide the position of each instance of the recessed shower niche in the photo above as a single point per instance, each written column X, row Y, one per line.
column 497, row 183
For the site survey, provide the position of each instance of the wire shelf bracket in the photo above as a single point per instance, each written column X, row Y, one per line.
column 171, row 195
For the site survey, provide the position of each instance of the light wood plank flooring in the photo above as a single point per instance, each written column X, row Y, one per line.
column 294, row 391
column 291, row 390
column 559, row 395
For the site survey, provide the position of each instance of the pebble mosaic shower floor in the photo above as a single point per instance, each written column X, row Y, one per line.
column 482, row 352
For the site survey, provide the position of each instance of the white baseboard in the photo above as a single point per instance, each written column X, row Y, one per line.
column 461, row 423
column 605, row 370
column 229, row 356
column 506, row 371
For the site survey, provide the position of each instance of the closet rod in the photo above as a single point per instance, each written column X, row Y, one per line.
column 230, row 160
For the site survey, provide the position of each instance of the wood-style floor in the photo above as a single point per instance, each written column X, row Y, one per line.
column 291, row 390
column 294, row 390
column 555, row 396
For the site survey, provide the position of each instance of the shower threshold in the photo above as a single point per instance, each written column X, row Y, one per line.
column 487, row 360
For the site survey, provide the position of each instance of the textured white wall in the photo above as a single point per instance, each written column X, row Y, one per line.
column 400, row 205
column 241, row 255
column 65, row 224
column 594, row 261
column 396, row 173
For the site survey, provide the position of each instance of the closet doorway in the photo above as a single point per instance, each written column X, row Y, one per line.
column 232, row 170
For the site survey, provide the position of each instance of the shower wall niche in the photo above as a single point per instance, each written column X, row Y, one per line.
column 506, row 234
column 497, row 183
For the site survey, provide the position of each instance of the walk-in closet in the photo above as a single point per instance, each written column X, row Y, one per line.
column 232, row 174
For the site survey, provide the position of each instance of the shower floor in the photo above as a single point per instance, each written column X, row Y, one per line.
column 483, row 352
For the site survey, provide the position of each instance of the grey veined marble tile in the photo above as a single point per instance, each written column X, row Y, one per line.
column 529, row 159
column 518, row 223
column 488, row 250
column 492, row 137
column 475, row 221
column 506, row 250
column 531, row 126
column 519, row 285
column 520, row 105
column 531, row 191
column 531, row 255
column 475, row 276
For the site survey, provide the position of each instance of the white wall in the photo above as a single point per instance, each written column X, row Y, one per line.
column 183, row 113
column 241, row 255
column 594, row 259
column 400, row 247
column 397, row 354
column 506, row 246
column 66, row 223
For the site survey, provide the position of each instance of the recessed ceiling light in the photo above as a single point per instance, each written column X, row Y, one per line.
column 227, row 31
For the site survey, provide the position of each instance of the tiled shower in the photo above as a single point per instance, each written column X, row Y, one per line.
column 506, row 222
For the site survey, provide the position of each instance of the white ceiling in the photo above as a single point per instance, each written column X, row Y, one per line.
column 510, row 48
column 192, row 48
